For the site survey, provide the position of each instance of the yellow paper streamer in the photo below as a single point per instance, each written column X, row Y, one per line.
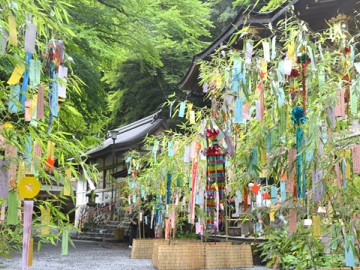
column 189, row 109
column 192, row 117
column 21, row 170
column 45, row 220
column 31, row 251
column 67, row 182
column 272, row 212
column 16, row 75
column 50, row 149
column 316, row 226
column 12, row 30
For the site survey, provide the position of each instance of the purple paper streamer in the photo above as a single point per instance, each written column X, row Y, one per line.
column 28, row 212
column 4, row 178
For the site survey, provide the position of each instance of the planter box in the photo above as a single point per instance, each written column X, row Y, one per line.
column 143, row 248
column 177, row 242
column 196, row 255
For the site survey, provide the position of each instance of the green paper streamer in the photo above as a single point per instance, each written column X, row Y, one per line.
column 12, row 213
column 65, row 242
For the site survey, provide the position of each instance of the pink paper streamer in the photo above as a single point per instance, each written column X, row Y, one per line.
column 340, row 105
column 28, row 212
column 292, row 170
column 292, row 221
column 40, row 102
column 356, row 158
column 173, row 217
column 337, row 173
column 27, row 110
column 10, row 155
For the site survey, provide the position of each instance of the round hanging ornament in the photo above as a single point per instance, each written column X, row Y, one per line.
column 29, row 187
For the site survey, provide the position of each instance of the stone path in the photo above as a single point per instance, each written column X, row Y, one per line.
column 85, row 256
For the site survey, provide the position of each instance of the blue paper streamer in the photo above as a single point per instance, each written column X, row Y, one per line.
column 283, row 191
column 343, row 169
column 182, row 109
column 238, row 111
column 25, row 81
column 54, row 96
column 170, row 148
column 349, row 250
column 14, row 99
column 273, row 194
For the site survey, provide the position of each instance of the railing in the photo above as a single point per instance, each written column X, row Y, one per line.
column 99, row 213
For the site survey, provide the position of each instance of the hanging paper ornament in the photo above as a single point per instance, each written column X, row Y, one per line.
column 236, row 70
column 317, row 185
column 182, row 109
column 273, row 194
column 29, row 187
column 248, row 51
column 168, row 189
column 3, row 41
column 283, row 191
column 34, row 73
column 170, row 148
column 273, row 48
column 255, row 189
column 266, row 49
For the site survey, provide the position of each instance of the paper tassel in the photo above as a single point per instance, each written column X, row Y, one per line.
column 40, row 102
column 45, row 221
column 4, row 178
column 12, row 211
column 12, row 30
column 30, row 37
column 14, row 101
column 28, row 212
column 316, row 226
column 16, row 75
column 292, row 221
column 65, row 242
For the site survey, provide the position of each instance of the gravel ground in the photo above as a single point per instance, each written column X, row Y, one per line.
column 98, row 256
